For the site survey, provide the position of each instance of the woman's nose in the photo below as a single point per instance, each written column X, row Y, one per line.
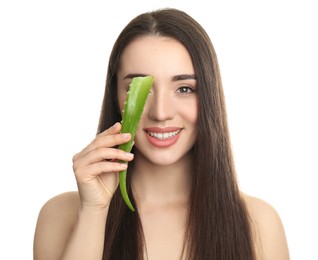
column 160, row 106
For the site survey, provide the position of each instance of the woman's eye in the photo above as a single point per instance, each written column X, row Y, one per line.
column 185, row 90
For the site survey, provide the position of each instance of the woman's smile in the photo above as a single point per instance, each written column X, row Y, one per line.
column 162, row 137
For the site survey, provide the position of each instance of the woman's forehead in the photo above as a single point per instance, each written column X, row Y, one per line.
column 155, row 55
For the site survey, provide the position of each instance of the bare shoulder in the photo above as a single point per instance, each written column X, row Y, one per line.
column 55, row 222
column 61, row 208
column 268, row 229
column 67, row 200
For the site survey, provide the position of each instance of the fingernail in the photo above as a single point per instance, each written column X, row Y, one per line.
column 129, row 155
column 114, row 126
column 124, row 165
column 125, row 136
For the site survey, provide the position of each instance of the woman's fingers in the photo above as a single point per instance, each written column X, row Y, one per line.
column 112, row 130
column 103, row 154
column 97, row 169
column 109, row 138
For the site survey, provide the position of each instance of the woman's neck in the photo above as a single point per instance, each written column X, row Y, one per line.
column 161, row 185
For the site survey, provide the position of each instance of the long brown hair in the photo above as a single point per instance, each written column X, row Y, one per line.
column 218, row 225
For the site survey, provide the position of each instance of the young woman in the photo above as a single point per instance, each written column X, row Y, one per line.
column 181, row 175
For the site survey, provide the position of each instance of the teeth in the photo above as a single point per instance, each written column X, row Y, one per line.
column 163, row 136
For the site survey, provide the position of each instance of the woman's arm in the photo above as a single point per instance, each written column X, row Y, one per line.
column 65, row 231
column 72, row 225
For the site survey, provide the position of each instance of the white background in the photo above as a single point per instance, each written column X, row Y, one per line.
column 53, row 58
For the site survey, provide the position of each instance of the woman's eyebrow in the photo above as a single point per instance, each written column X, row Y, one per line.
column 174, row 78
column 133, row 75
column 183, row 77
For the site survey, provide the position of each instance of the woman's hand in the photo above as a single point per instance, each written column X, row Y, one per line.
column 96, row 167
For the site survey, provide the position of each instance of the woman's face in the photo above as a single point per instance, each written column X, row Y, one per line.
column 167, row 129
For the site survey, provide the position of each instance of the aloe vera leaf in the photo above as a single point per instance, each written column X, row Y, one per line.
column 134, row 105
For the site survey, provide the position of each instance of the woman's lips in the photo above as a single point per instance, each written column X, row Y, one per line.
column 162, row 137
